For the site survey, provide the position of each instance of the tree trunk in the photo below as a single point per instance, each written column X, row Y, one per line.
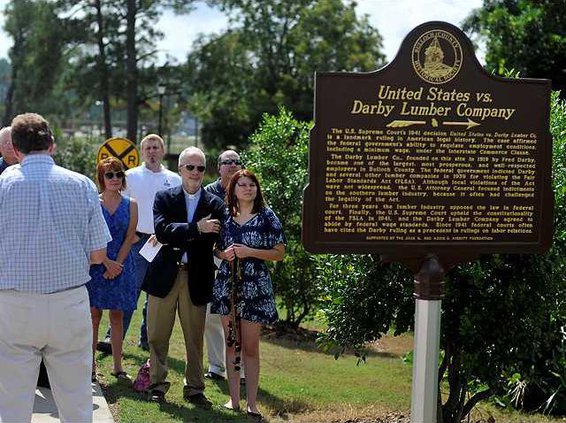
column 452, row 408
column 16, row 52
column 9, row 101
column 131, row 72
column 103, row 71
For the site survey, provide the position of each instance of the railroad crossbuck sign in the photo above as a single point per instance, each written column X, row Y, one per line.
column 121, row 148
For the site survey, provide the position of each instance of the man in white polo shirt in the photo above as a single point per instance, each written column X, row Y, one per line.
column 144, row 182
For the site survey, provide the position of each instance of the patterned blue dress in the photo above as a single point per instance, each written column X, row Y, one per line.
column 256, row 302
column 120, row 293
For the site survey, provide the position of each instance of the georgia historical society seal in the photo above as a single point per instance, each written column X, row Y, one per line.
column 437, row 56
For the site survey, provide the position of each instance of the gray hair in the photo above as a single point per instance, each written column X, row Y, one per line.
column 5, row 136
column 191, row 151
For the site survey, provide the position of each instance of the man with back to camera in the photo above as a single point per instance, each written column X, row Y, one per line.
column 143, row 183
column 8, row 159
column 180, row 278
column 229, row 162
column 6, row 149
column 54, row 216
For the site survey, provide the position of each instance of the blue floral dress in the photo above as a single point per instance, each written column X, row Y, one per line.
column 120, row 293
column 256, row 302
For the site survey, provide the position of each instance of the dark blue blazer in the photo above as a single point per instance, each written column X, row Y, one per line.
column 179, row 236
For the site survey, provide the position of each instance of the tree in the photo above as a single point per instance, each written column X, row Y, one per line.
column 37, row 57
column 72, row 53
column 112, row 32
column 5, row 72
column 218, row 72
column 273, row 48
column 140, row 36
column 526, row 35
column 96, row 54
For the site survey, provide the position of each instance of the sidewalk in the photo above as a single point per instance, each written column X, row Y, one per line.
column 45, row 411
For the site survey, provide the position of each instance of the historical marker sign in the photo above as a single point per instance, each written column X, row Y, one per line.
column 121, row 148
column 429, row 155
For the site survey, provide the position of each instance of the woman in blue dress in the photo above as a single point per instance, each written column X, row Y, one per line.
column 113, row 285
column 251, row 234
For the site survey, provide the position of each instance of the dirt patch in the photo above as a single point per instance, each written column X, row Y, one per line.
column 388, row 418
column 284, row 332
column 351, row 415
column 394, row 345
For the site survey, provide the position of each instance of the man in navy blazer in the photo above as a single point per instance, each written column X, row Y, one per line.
column 179, row 280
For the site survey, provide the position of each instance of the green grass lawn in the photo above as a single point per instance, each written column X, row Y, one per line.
column 298, row 383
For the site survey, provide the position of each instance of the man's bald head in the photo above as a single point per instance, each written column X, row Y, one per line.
column 6, row 146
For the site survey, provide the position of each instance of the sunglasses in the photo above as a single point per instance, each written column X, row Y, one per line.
column 111, row 175
column 190, row 168
column 231, row 161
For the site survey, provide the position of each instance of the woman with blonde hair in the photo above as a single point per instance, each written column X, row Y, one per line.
column 113, row 286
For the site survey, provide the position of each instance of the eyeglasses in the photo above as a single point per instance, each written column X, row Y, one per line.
column 111, row 175
column 190, row 168
column 231, row 161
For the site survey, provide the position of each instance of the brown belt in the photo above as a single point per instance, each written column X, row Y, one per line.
column 183, row 266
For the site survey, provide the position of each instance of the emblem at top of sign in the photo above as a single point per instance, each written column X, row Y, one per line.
column 437, row 56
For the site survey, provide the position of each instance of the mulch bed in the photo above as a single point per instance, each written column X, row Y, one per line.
column 388, row 418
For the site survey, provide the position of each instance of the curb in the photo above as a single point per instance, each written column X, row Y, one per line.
column 45, row 410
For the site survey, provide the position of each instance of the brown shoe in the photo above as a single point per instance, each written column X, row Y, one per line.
column 199, row 400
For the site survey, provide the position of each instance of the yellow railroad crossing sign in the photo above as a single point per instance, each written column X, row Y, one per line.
column 121, row 148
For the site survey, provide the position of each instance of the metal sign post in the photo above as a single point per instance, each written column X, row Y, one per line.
column 424, row 398
column 428, row 293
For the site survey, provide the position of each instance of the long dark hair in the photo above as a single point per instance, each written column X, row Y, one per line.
column 232, row 201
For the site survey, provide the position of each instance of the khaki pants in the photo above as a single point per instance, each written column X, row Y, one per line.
column 215, row 343
column 160, row 322
column 58, row 328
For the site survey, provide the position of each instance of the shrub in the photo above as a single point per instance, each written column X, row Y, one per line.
column 77, row 153
column 278, row 155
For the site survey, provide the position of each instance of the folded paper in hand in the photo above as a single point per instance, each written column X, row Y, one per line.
column 149, row 251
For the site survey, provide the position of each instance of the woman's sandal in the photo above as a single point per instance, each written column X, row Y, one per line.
column 231, row 408
column 122, row 376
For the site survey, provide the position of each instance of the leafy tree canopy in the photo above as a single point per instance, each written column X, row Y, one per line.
column 268, row 57
column 526, row 35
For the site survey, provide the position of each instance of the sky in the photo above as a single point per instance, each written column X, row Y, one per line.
column 393, row 18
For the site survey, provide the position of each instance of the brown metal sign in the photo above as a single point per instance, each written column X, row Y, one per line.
column 430, row 154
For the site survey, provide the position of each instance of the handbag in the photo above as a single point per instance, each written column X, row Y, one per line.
column 143, row 380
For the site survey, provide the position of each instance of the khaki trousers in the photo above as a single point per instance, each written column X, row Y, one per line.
column 58, row 328
column 215, row 343
column 160, row 322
